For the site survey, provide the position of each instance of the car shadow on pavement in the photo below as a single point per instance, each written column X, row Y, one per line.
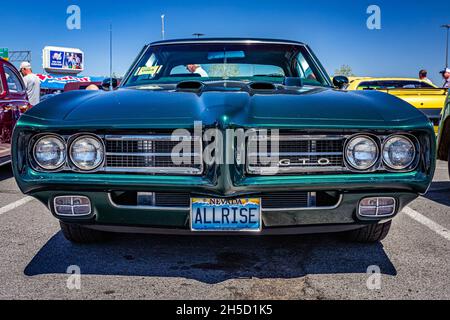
column 439, row 192
column 211, row 259
column 5, row 172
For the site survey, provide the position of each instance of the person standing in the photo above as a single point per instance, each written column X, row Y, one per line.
column 197, row 69
column 423, row 75
column 446, row 75
column 32, row 83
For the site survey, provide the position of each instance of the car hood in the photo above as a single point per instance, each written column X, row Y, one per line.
column 306, row 107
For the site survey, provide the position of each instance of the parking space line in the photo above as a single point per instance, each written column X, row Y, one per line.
column 437, row 228
column 15, row 205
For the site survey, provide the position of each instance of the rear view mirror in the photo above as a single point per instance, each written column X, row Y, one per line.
column 222, row 55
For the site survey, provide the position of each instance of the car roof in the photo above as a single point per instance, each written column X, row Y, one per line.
column 226, row 40
column 384, row 79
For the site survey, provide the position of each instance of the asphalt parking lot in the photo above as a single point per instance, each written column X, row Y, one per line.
column 413, row 260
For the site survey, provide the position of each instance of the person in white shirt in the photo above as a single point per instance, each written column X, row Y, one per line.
column 196, row 68
column 32, row 83
column 446, row 75
column 423, row 75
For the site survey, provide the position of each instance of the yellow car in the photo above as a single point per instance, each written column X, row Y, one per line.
column 423, row 95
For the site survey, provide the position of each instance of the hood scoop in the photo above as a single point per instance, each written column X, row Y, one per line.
column 190, row 86
column 262, row 86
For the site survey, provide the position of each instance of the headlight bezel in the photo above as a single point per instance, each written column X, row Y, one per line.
column 64, row 152
column 375, row 165
column 413, row 164
column 73, row 164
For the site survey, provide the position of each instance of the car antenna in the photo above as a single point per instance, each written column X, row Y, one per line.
column 110, row 58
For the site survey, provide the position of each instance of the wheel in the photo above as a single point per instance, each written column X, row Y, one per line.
column 371, row 233
column 77, row 234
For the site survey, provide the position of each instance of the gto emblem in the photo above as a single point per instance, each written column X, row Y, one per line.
column 304, row 162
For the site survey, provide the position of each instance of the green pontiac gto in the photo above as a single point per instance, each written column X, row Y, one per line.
column 224, row 136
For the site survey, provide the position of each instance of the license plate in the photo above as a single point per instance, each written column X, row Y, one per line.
column 226, row 214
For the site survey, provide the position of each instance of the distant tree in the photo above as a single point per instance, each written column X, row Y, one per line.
column 224, row 71
column 344, row 70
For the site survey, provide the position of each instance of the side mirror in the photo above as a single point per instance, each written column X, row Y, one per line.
column 340, row 82
column 106, row 84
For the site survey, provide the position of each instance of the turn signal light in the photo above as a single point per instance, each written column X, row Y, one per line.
column 72, row 206
column 377, row 207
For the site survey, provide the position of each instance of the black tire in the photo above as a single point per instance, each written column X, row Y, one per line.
column 371, row 233
column 77, row 234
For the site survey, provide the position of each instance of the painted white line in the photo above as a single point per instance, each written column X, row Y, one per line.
column 440, row 230
column 15, row 205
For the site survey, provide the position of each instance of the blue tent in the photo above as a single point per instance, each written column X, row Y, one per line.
column 57, row 82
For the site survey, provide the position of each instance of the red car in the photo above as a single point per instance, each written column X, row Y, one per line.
column 13, row 102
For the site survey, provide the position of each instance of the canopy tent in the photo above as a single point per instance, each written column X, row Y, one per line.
column 51, row 82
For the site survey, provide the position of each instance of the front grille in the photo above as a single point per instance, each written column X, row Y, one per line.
column 289, row 200
column 272, row 201
column 295, row 154
column 152, row 154
column 172, row 199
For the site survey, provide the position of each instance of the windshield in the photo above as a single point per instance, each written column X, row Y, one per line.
column 393, row 84
column 173, row 63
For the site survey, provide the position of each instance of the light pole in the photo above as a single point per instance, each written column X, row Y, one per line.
column 163, row 31
column 447, row 26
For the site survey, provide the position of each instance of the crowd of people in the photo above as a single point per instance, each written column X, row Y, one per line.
column 423, row 75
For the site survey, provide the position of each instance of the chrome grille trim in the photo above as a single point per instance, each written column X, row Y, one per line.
column 307, row 204
column 150, row 154
column 301, row 154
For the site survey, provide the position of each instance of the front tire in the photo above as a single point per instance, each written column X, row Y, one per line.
column 370, row 234
column 78, row 234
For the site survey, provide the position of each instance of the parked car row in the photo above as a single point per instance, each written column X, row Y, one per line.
column 422, row 94
column 13, row 102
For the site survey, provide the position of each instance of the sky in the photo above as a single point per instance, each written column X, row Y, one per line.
column 410, row 37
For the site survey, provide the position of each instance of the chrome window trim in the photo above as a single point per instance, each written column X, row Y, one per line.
column 233, row 41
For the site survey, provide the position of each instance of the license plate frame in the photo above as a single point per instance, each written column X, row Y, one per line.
column 217, row 203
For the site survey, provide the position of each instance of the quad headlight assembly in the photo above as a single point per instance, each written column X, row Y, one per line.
column 49, row 152
column 82, row 153
column 394, row 153
column 87, row 152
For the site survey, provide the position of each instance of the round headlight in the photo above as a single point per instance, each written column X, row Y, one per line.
column 87, row 153
column 399, row 152
column 49, row 152
column 362, row 152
